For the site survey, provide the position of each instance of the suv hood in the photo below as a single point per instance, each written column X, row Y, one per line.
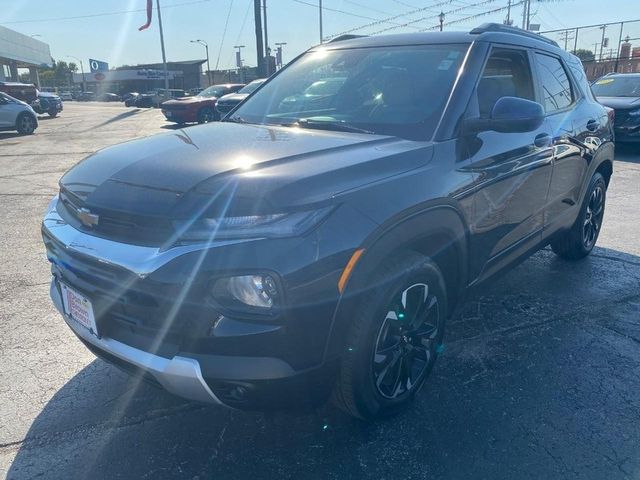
column 620, row 103
column 268, row 167
column 233, row 98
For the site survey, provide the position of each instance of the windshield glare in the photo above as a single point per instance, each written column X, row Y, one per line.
column 617, row 87
column 398, row 91
column 212, row 92
column 249, row 88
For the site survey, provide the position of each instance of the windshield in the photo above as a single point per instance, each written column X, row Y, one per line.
column 212, row 91
column 251, row 87
column 398, row 91
column 617, row 87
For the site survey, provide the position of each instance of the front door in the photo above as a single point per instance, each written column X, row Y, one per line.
column 511, row 171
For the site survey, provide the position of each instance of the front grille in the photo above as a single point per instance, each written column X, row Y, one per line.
column 225, row 107
column 117, row 226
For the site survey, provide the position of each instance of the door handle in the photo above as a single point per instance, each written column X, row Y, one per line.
column 542, row 140
column 593, row 125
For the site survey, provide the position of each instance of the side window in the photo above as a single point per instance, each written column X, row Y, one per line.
column 506, row 74
column 556, row 87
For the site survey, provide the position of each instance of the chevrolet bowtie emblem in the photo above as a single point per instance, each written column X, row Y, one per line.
column 87, row 218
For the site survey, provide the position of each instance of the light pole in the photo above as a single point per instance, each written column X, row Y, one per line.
column 279, row 55
column 441, row 18
column 239, row 61
column 84, row 81
column 206, row 48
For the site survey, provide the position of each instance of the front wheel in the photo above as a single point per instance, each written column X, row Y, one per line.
column 53, row 113
column 394, row 339
column 206, row 115
column 25, row 124
column 578, row 242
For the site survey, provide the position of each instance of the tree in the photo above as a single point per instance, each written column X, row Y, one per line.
column 585, row 55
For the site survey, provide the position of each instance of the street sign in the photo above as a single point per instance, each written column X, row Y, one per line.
column 98, row 66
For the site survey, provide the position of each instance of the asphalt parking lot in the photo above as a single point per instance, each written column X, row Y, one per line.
column 540, row 376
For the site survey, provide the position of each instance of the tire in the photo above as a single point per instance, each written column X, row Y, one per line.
column 206, row 115
column 578, row 242
column 53, row 113
column 25, row 124
column 375, row 378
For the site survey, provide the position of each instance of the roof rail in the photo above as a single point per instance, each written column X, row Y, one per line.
column 347, row 36
column 498, row 27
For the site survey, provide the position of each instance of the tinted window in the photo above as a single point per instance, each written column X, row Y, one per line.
column 397, row 91
column 506, row 74
column 556, row 87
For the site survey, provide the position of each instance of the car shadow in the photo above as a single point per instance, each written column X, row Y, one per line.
column 628, row 152
column 514, row 395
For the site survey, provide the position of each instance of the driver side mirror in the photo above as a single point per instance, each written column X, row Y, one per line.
column 509, row 115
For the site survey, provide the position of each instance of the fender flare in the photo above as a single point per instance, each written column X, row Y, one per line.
column 440, row 222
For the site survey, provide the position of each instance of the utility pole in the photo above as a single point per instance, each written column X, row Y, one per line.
column 441, row 19
column 507, row 20
column 206, row 48
column 604, row 29
column 257, row 12
column 566, row 37
column 526, row 14
column 619, row 45
column 238, row 63
column 164, row 56
column 266, row 41
column 320, row 18
column 84, row 81
column 280, row 54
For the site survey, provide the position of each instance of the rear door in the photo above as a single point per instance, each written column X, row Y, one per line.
column 570, row 120
column 7, row 112
column 511, row 171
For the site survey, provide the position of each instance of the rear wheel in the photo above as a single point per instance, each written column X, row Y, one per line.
column 206, row 115
column 395, row 338
column 578, row 242
column 25, row 124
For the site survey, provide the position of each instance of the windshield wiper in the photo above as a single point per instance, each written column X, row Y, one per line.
column 235, row 119
column 339, row 126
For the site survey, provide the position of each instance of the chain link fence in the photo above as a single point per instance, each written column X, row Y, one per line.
column 603, row 48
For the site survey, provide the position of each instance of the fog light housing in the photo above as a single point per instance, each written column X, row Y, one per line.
column 257, row 291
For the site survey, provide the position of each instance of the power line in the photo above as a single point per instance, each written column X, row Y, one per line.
column 477, row 15
column 375, row 20
column 224, row 33
column 450, row 12
column 105, row 14
column 395, row 17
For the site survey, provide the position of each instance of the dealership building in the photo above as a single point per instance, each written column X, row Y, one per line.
column 21, row 51
column 141, row 78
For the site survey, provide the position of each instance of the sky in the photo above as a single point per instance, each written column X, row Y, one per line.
column 108, row 30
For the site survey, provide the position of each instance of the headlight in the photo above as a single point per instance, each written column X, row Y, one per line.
column 635, row 113
column 250, row 226
column 259, row 291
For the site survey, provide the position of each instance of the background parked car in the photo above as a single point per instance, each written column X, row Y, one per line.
column 226, row 103
column 622, row 93
column 65, row 96
column 16, row 115
column 26, row 92
column 129, row 98
column 86, row 97
column 142, row 100
column 162, row 95
column 201, row 108
column 49, row 103
column 108, row 97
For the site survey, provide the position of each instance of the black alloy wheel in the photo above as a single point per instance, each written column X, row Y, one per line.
column 406, row 343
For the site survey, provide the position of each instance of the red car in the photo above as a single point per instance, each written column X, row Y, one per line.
column 201, row 108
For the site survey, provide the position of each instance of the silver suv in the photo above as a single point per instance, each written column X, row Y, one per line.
column 16, row 115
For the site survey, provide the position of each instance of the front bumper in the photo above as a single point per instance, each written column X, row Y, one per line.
column 180, row 116
column 179, row 375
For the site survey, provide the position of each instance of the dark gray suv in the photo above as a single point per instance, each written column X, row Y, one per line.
column 299, row 250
